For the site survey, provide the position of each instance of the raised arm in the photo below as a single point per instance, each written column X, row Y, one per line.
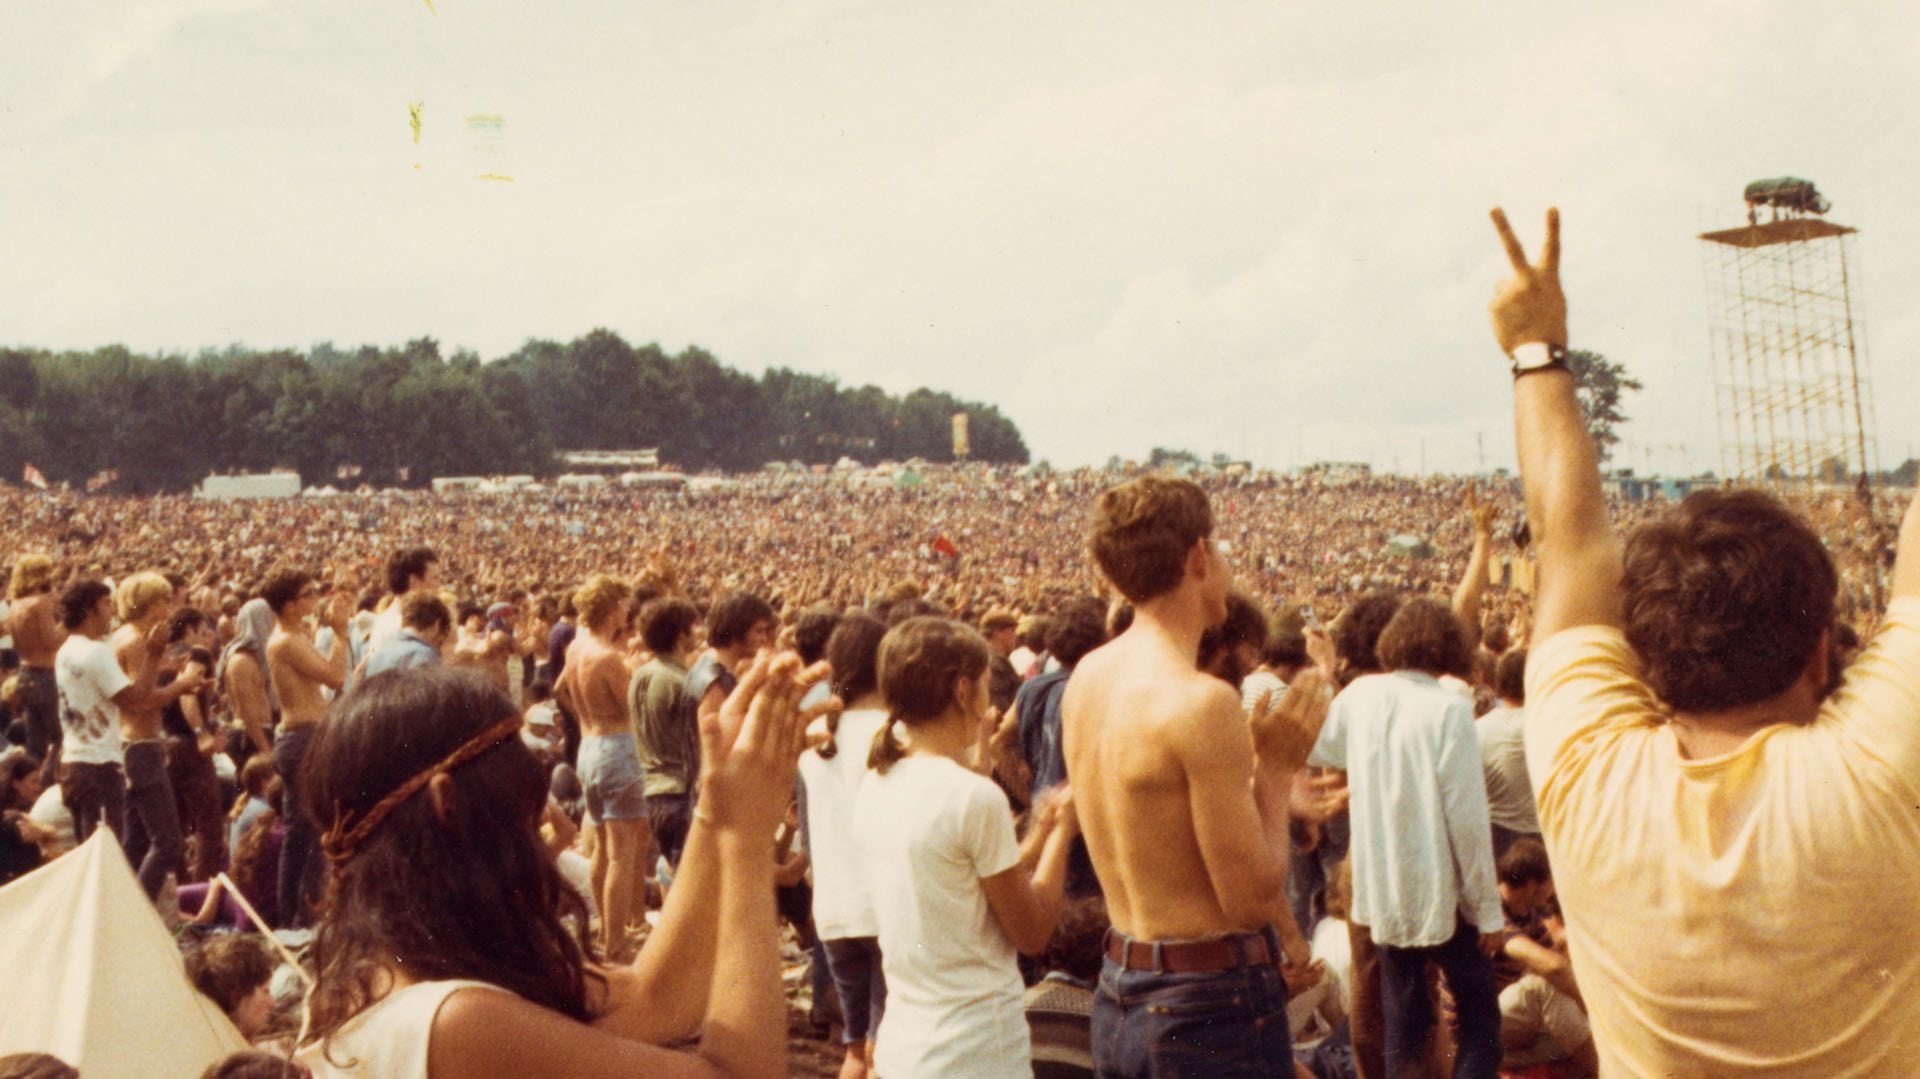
column 1579, row 554
column 1473, row 583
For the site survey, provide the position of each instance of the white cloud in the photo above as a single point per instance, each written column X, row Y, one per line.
column 1253, row 229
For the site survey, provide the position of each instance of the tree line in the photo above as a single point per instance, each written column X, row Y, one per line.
column 406, row 414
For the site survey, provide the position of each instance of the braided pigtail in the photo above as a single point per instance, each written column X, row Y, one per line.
column 886, row 749
column 830, row 748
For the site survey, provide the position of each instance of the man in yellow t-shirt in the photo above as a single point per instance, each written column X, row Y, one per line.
column 1735, row 839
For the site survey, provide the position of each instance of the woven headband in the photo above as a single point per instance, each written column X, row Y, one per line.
column 347, row 834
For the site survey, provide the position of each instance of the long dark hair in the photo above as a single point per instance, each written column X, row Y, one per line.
column 476, row 895
column 853, row 650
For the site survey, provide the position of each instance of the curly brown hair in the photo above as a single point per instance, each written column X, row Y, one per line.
column 1425, row 635
column 1727, row 596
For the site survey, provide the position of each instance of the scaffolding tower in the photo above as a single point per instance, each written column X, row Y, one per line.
column 1790, row 375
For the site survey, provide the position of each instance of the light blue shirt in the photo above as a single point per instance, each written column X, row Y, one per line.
column 405, row 651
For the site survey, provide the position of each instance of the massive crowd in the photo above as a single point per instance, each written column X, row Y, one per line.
column 1042, row 773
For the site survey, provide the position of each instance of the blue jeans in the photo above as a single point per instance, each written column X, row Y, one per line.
column 40, row 700
column 302, row 867
column 153, row 842
column 1217, row 1023
column 1409, row 1009
column 854, row 963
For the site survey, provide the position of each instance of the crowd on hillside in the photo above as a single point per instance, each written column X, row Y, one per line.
column 216, row 681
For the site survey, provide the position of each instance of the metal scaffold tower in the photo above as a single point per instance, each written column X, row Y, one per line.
column 1790, row 373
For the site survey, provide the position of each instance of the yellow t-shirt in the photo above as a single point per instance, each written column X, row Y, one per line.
column 1752, row 913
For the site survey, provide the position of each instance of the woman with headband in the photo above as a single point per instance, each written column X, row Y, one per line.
column 450, row 946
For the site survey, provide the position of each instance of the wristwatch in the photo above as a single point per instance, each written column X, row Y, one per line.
column 1538, row 356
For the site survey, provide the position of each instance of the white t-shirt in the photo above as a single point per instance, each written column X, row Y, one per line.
column 1258, row 683
column 50, row 811
column 88, row 676
column 841, row 907
column 386, row 626
column 928, row 831
column 1503, row 757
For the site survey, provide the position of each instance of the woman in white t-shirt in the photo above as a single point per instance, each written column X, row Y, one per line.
column 950, row 886
column 444, row 947
column 832, row 773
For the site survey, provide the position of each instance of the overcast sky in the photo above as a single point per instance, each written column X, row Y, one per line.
column 1255, row 228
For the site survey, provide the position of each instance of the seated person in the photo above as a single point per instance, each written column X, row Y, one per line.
column 1060, row 1005
column 235, row 971
column 1542, row 1019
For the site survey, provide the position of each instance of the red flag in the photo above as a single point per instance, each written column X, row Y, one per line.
column 32, row 475
column 945, row 546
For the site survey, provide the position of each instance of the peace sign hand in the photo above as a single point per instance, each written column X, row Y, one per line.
column 1529, row 306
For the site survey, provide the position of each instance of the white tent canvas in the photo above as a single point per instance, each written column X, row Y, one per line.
column 93, row 976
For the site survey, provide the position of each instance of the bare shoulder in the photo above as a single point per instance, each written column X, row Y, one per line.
column 487, row 1032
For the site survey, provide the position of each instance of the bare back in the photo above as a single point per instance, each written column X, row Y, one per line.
column 37, row 634
column 1139, row 725
column 594, row 685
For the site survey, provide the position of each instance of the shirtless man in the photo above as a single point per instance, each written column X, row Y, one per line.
column 1185, row 816
column 153, row 841
column 34, row 623
column 499, row 644
column 593, row 687
column 299, row 672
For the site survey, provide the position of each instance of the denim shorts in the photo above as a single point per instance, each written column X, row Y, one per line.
column 610, row 771
column 1214, row 1023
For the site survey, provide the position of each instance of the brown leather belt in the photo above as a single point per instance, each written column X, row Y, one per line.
column 1190, row 956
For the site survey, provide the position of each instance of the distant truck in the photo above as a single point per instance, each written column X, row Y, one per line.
column 1787, row 196
column 249, row 485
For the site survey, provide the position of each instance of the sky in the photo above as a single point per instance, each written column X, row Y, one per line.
column 1250, row 228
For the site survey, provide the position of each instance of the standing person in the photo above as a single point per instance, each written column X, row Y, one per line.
column 192, row 740
column 424, row 625
column 1503, row 755
column 500, row 649
column 954, row 893
column 738, row 627
column 594, row 688
column 559, row 639
column 668, row 744
column 409, row 569
column 1422, row 850
column 34, row 623
column 1184, row 816
column 998, row 626
column 93, row 691
column 1700, row 781
column 244, row 675
column 832, row 774
column 420, row 974
column 153, row 840
column 299, row 673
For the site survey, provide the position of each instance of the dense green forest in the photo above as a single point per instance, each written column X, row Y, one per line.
column 163, row 422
